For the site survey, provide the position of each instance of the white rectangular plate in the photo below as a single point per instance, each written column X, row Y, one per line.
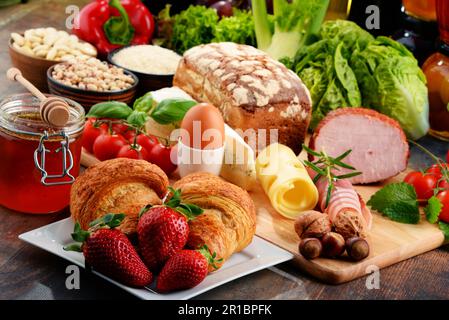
column 259, row 255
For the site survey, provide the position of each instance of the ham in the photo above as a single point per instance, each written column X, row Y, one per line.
column 379, row 145
column 343, row 198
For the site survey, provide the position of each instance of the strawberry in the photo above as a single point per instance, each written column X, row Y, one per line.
column 184, row 270
column 163, row 230
column 109, row 251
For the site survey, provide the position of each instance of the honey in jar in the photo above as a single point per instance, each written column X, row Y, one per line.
column 436, row 69
column 38, row 163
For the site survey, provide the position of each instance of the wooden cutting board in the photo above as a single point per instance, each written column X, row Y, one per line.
column 390, row 242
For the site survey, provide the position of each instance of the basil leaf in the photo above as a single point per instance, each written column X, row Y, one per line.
column 171, row 110
column 110, row 109
column 137, row 118
column 144, row 103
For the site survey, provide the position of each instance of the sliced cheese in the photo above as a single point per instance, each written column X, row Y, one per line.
column 161, row 130
column 239, row 165
column 285, row 181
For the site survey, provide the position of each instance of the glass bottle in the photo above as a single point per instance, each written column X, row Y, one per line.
column 419, row 30
column 436, row 69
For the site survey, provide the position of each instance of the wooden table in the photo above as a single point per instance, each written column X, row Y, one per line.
column 30, row 273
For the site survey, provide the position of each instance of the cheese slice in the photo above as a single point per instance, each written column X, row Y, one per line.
column 285, row 181
column 239, row 165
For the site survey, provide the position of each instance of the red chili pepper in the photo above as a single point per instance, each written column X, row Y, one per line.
column 111, row 24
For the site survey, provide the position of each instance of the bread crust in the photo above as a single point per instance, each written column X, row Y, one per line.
column 117, row 186
column 228, row 222
column 252, row 91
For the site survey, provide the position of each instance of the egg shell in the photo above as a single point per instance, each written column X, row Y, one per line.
column 203, row 127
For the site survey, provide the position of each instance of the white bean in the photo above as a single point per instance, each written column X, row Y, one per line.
column 17, row 38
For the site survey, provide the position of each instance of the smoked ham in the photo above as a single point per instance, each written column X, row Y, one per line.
column 345, row 205
column 379, row 145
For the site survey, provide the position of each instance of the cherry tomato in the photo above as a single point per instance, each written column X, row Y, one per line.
column 160, row 155
column 132, row 152
column 423, row 184
column 91, row 132
column 436, row 170
column 129, row 135
column 444, row 198
column 443, row 184
column 107, row 146
column 148, row 142
column 119, row 128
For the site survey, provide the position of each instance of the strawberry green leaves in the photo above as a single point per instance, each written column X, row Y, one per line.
column 210, row 257
column 190, row 211
column 397, row 201
column 79, row 235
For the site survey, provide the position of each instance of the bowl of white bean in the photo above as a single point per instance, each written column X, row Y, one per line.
column 35, row 50
column 89, row 81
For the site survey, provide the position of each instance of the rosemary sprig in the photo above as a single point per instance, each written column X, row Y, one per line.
column 326, row 166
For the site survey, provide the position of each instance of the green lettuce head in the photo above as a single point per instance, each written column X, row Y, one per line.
column 392, row 83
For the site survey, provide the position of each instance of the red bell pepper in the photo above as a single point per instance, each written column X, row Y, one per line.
column 111, row 24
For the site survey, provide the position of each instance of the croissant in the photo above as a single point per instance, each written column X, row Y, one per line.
column 117, row 186
column 228, row 222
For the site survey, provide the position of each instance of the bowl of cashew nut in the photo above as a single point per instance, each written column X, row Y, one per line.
column 35, row 50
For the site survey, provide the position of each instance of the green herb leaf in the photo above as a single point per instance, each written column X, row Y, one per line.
column 433, row 209
column 445, row 228
column 137, row 118
column 349, row 175
column 144, row 103
column 171, row 110
column 110, row 109
column 391, row 194
column 398, row 201
column 403, row 212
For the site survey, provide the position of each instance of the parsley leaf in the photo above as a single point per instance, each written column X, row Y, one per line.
column 433, row 209
column 398, row 201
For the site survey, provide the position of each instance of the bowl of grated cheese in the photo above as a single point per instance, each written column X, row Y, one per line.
column 153, row 65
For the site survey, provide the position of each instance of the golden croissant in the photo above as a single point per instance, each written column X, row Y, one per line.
column 117, row 186
column 228, row 222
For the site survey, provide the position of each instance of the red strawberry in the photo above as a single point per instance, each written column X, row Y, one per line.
column 163, row 230
column 111, row 253
column 185, row 270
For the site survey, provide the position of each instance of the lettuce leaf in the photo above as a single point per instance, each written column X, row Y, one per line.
column 393, row 84
column 239, row 29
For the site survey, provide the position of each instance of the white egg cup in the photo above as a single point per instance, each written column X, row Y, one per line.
column 192, row 160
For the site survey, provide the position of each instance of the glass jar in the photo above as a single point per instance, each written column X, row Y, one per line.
column 421, row 9
column 436, row 69
column 38, row 163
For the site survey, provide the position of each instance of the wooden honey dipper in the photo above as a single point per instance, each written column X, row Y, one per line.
column 53, row 110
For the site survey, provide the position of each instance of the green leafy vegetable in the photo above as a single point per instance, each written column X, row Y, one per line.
column 295, row 23
column 171, row 110
column 238, row 28
column 392, row 83
column 433, row 209
column 144, row 103
column 192, row 27
column 398, row 201
column 110, row 109
column 137, row 118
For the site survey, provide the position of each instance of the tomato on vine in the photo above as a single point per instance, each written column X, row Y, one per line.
column 106, row 146
column 423, row 183
column 92, row 130
column 131, row 151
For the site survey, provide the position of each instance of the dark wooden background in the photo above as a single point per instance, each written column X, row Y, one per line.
column 30, row 273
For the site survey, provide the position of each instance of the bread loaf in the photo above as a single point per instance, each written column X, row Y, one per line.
column 252, row 90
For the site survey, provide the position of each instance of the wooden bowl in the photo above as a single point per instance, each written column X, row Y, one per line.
column 33, row 68
column 147, row 81
column 88, row 98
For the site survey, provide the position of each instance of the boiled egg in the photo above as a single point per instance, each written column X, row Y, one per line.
column 203, row 128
